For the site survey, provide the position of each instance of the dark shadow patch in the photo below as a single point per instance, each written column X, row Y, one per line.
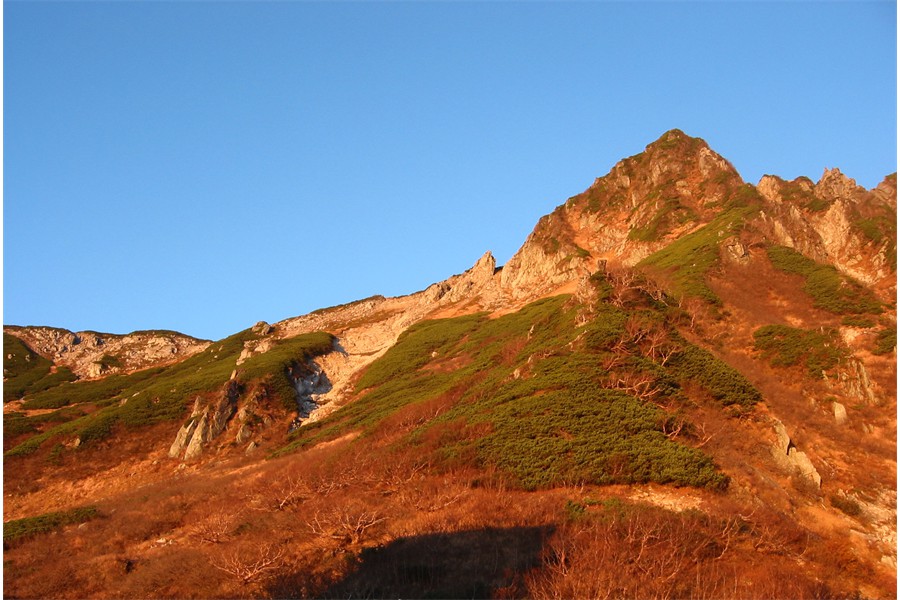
column 483, row 563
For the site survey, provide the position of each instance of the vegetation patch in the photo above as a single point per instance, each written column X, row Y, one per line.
column 275, row 367
column 885, row 341
column 161, row 394
column 670, row 212
column 689, row 258
column 415, row 347
column 533, row 399
column 16, row 423
column 848, row 506
column 858, row 321
column 86, row 391
column 828, row 289
column 26, row 372
column 109, row 361
column 879, row 229
column 590, row 436
column 816, row 349
column 724, row 383
column 30, row 526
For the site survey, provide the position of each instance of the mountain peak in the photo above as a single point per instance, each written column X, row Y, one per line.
column 834, row 185
column 677, row 141
column 676, row 136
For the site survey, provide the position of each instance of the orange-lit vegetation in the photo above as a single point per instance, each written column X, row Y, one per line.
column 625, row 439
column 482, row 458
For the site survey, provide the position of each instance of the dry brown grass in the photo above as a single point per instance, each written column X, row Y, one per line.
column 358, row 519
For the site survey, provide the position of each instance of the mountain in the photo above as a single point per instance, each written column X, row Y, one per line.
column 681, row 385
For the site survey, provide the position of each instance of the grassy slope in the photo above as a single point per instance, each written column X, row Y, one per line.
column 828, row 289
column 158, row 394
column 691, row 257
column 533, row 395
column 26, row 372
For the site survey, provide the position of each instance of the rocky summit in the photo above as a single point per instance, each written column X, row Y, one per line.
column 682, row 385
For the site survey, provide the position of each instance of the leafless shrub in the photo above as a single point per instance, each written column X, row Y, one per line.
column 640, row 385
column 642, row 553
column 215, row 528
column 347, row 524
column 250, row 564
column 287, row 491
column 398, row 473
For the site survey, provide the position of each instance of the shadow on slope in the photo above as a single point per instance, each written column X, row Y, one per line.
column 482, row 563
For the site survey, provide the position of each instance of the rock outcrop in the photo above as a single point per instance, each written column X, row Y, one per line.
column 205, row 423
column 835, row 221
column 312, row 385
column 840, row 413
column 90, row 354
column 791, row 458
column 675, row 186
column 853, row 381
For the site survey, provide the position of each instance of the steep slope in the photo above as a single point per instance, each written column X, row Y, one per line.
column 682, row 385
column 646, row 201
column 838, row 222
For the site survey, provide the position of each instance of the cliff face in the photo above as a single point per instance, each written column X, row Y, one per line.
column 89, row 354
column 646, row 201
column 837, row 222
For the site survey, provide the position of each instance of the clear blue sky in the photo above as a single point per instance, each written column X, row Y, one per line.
column 200, row 166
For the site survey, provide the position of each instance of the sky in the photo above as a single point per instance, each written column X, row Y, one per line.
column 200, row 166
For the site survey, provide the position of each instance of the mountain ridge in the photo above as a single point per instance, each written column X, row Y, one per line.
column 673, row 339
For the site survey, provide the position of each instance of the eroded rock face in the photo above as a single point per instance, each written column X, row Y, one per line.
column 312, row 384
column 791, row 458
column 735, row 251
column 535, row 268
column 466, row 285
column 205, row 423
column 90, row 354
column 675, row 186
column 852, row 379
column 834, row 221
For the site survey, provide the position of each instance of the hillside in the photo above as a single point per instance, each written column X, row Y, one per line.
column 681, row 385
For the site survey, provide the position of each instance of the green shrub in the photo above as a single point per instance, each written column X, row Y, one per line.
column 98, row 425
column 108, row 361
column 783, row 346
column 80, row 392
column 415, row 346
column 848, row 506
column 30, row 526
column 16, row 423
column 828, row 289
column 590, row 436
column 691, row 257
column 885, row 341
column 722, row 382
column 607, row 328
column 879, row 228
column 858, row 321
column 26, row 372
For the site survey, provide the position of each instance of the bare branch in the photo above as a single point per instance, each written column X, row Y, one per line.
column 246, row 567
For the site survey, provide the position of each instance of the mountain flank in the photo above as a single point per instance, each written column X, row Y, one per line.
column 681, row 385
